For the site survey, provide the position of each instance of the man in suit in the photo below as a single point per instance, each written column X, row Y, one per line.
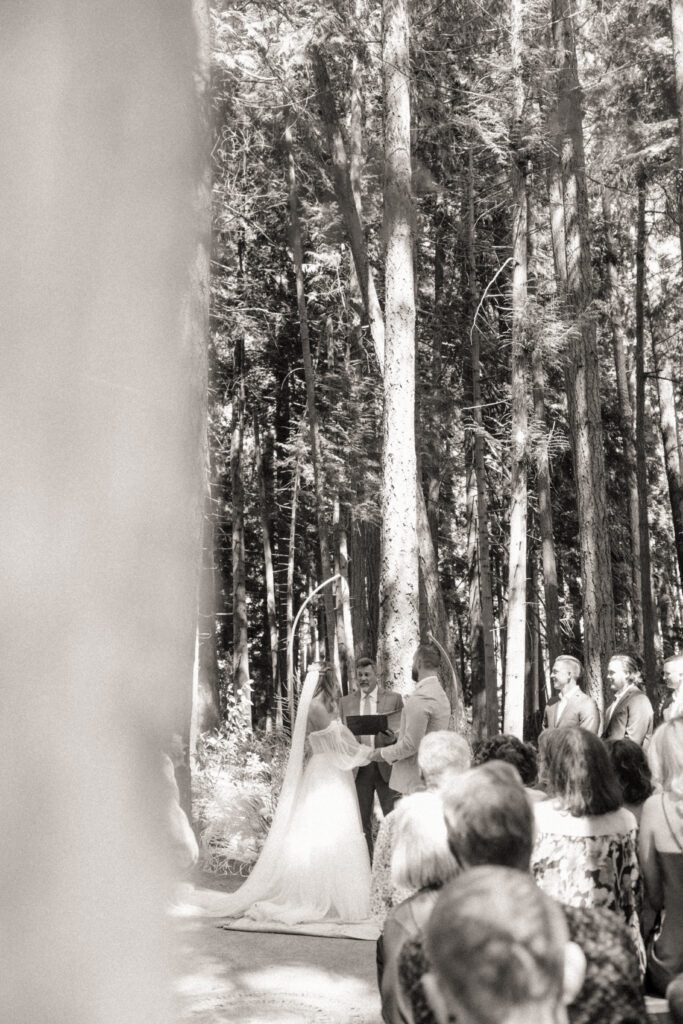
column 572, row 706
column 371, row 699
column 425, row 710
column 630, row 714
column 673, row 680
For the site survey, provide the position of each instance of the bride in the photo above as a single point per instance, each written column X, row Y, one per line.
column 314, row 865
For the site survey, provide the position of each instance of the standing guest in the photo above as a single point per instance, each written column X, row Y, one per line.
column 673, row 680
column 422, row 863
column 660, row 847
column 440, row 754
column 585, row 849
column 630, row 714
column 426, row 709
column 572, row 706
column 512, row 750
column 372, row 699
column 500, row 952
column 633, row 772
column 490, row 821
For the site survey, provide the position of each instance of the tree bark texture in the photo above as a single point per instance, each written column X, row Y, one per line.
column 668, row 426
column 399, row 611
column 241, row 682
column 583, row 373
column 515, row 664
column 318, row 485
column 291, row 552
column 677, row 46
column 344, row 620
column 648, row 611
column 482, row 517
column 625, row 411
column 263, row 463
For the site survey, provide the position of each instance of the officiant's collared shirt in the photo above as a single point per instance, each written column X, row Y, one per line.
column 368, row 706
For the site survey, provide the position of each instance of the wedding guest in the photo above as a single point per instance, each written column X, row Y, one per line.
column 673, row 680
column 426, row 709
column 372, row 699
column 571, row 706
column 585, row 849
column 633, row 773
column 490, row 821
column 421, row 862
column 674, row 995
column 630, row 715
column 660, row 847
column 500, row 952
column 439, row 754
column 512, row 750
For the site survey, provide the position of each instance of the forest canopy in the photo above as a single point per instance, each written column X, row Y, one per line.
column 445, row 347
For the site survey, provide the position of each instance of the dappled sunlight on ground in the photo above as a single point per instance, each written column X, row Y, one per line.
column 255, row 978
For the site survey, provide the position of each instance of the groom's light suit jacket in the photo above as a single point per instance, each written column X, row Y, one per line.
column 388, row 703
column 425, row 710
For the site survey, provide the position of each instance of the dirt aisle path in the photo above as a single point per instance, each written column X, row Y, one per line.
column 261, row 978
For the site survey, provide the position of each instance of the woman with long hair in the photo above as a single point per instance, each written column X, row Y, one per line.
column 314, row 865
column 660, row 847
column 585, row 849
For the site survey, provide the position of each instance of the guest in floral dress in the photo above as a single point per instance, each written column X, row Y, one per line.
column 585, row 850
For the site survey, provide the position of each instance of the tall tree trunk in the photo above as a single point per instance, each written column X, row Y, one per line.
column 482, row 517
column 241, row 682
column 206, row 713
column 515, row 665
column 677, row 43
column 344, row 193
column 668, row 426
column 297, row 256
column 358, row 588
column 341, row 567
column 648, row 640
column 583, row 371
column 477, row 676
column 291, row 552
column 263, row 462
column 625, row 411
column 399, row 612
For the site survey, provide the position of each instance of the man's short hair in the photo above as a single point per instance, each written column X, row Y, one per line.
column 366, row 663
column 428, row 656
column 440, row 752
column 574, row 664
column 497, row 944
column 489, row 817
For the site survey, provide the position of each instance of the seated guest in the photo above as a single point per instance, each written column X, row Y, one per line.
column 585, row 849
column 673, row 680
column 490, row 821
column 439, row 753
column 571, row 706
column 630, row 714
column 674, row 995
column 421, row 862
column 660, row 847
column 521, row 756
column 633, row 773
column 500, row 952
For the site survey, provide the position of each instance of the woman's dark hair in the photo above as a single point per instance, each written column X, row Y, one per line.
column 512, row 750
column 328, row 687
column 632, row 770
column 577, row 771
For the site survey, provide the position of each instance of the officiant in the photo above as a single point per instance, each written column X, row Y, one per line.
column 372, row 700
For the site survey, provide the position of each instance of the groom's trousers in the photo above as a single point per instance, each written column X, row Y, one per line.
column 369, row 780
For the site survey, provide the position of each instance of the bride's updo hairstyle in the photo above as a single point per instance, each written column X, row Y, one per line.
column 328, row 689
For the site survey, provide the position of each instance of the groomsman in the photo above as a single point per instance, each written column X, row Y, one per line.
column 572, row 706
column 371, row 699
column 426, row 709
column 630, row 715
column 673, row 680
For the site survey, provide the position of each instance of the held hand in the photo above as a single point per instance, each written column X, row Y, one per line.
column 376, row 755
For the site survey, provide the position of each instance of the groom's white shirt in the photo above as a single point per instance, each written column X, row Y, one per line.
column 425, row 710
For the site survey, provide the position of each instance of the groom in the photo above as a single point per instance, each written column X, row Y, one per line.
column 371, row 699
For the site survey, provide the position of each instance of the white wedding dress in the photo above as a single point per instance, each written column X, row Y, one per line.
column 314, row 865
